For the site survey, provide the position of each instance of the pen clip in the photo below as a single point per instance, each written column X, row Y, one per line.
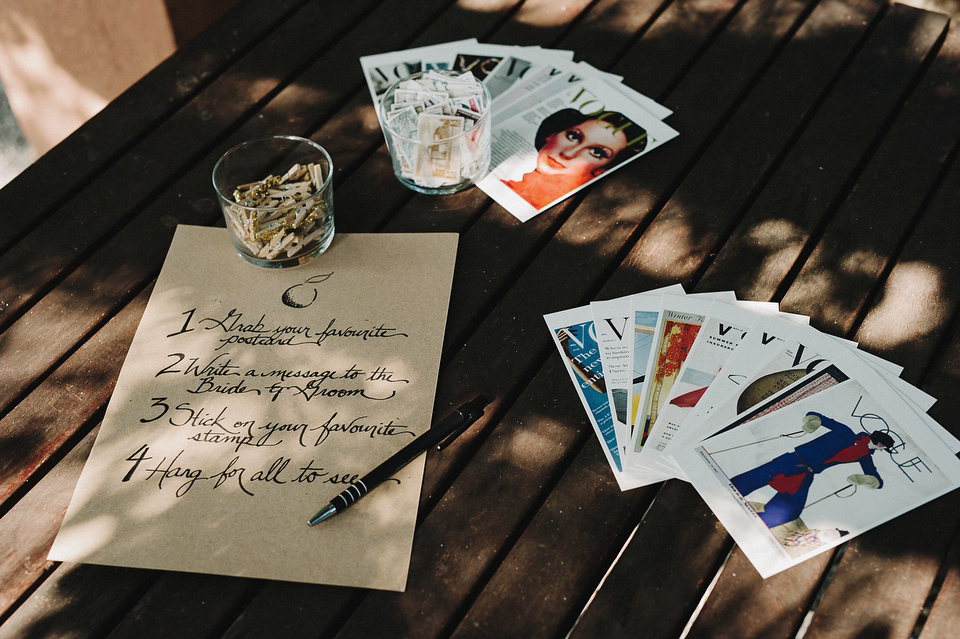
column 474, row 411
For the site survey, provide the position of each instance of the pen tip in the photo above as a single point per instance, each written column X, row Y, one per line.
column 328, row 512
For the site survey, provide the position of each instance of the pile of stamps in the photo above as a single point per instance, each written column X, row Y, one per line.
column 526, row 84
column 426, row 117
column 797, row 440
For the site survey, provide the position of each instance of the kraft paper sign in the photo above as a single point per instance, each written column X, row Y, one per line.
column 250, row 397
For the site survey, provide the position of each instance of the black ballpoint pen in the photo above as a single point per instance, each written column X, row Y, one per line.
column 440, row 436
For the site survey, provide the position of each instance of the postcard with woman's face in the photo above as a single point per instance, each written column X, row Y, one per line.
column 550, row 151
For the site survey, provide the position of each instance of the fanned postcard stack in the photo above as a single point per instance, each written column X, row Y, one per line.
column 558, row 125
column 797, row 440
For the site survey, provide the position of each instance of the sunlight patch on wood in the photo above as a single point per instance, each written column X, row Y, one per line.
column 912, row 306
column 488, row 6
column 549, row 13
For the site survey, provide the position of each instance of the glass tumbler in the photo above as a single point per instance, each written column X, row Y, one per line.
column 436, row 149
column 277, row 197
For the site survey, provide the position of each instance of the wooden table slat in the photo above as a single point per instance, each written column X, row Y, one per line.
column 710, row 201
column 29, row 527
column 725, row 597
column 84, row 154
column 817, row 172
column 34, row 430
column 498, row 332
column 164, row 212
column 883, row 207
column 108, row 202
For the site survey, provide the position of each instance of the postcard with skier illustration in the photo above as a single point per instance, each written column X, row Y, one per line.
column 820, row 471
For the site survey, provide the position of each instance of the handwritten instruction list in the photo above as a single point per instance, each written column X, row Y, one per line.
column 250, row 397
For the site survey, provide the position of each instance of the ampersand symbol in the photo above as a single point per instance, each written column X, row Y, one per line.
column 299, row 295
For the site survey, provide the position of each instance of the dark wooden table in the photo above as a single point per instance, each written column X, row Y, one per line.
column 816, row 166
